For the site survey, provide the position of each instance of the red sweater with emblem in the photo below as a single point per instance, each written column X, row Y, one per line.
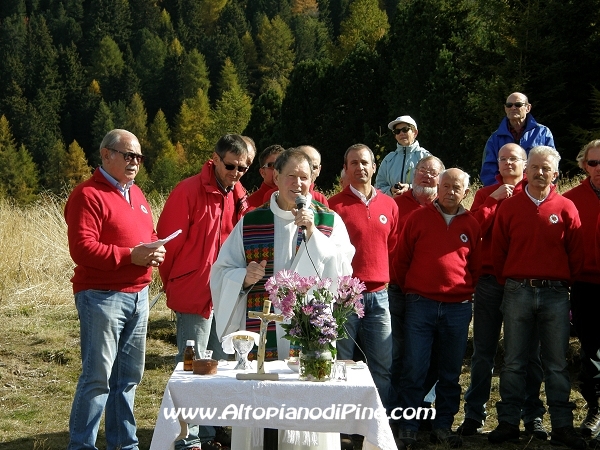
column 438, row 261
column 588, row 205
column 102, row 226
column 206, row 215
column 373, row 232
column 542, row 242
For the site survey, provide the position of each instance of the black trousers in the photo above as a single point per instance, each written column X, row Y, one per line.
column 585, row 307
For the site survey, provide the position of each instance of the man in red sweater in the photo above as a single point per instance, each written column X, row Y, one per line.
column 266, row 160
column 487, row 317
column 537, row 250
column 422, row 193
column 107, row 217
column 371, row 219
column 315, row 156
column 438, row 263
column 205, row 207
column 586, row 286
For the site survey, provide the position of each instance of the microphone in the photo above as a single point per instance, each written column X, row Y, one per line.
column 300, row 204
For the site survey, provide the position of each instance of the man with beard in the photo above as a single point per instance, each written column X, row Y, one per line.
column 422, row 193
column 437, row 265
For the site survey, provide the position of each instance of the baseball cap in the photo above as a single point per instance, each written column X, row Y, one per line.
column 403, row 119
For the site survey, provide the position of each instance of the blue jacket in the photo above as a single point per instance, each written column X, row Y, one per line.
column 535, row 134
column 399, row 166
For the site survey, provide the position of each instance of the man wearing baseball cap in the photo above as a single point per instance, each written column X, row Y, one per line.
column 397, row 169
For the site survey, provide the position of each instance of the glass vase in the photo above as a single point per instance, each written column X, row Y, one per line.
column 315, row 364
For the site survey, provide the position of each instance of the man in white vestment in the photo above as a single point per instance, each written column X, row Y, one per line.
column 311, row 240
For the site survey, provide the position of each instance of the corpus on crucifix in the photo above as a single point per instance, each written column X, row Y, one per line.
column 265, row 317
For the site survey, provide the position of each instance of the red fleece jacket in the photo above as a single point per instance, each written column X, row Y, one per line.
column 102, row 227
column 206, row 217
column 373, row 232
column 542, row 242
column 438, row 261
column 588, row 205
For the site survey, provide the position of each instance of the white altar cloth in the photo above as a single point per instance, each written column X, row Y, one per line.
column 221, row 399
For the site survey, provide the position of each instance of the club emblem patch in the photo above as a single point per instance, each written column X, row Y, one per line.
column 464, row 238
column 383, row 219
column 144, row 210
column 553, row 218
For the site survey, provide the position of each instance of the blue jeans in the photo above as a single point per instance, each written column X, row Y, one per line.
column 525, row 308
column 196, row 327
column 201, row 330
column 397, row 313
column 487, row 323
column 113, row 344
column 375, row 331
column 427, row 320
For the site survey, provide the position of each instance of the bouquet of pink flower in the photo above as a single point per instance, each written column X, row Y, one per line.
column 317, row 316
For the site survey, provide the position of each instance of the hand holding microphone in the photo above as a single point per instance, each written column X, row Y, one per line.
column 304, row 217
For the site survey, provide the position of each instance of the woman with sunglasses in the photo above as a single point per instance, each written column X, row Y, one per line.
column 397, row 169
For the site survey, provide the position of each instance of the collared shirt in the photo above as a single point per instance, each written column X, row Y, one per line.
column 362, row 196
column 224, row 190
column 533, row 199
column 124, row 190
column 517, row 135
column 595, row 189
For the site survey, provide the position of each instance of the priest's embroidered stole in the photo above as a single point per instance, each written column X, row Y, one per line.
column 259, row 245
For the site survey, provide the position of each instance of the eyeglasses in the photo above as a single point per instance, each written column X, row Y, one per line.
column 241, row 169
column 128, row 156
column 593, row 162
column 431, row 173
column 510, row 159
column 517, row 104
column 401, row 130
column 269, row 165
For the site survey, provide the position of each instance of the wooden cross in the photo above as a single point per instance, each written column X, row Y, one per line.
column 265, row 317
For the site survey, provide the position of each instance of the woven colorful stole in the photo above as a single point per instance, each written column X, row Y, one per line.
column 259, row 245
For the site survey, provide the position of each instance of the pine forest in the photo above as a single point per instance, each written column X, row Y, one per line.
column 329, row 73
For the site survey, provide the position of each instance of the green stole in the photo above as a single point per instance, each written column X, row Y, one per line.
column 259, row 244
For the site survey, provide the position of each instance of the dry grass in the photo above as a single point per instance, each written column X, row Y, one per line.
column 39, row 336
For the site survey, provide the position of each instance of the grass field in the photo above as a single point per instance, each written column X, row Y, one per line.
column 39, row 338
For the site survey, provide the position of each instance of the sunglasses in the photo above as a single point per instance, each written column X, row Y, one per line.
column 593, row 162
column 241, row 169
column 517, row 104
column 128, row 156
column 401, row 130
column 269, row 165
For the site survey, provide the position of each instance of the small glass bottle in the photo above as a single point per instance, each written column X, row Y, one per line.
column 189, row 355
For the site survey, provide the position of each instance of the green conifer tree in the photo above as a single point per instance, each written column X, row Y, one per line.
column 76, row 169
column 18, row 173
